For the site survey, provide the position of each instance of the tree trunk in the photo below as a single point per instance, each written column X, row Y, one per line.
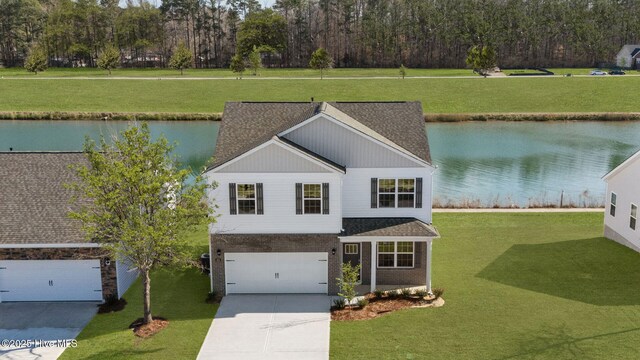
column 146, row 280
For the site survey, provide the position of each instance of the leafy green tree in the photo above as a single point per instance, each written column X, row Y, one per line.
column 482, row 59
column 109, row 59
column 37, row 60
column 137, row 203
column 262, row 28
column 181, row 58
column 347, row 283
column 321, row 60
column 255, row 60
column 402, row 70
column 238, row 65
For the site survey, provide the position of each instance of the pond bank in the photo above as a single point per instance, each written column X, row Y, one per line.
column 430, row 118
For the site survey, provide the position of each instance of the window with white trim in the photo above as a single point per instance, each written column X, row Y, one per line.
column 312, row 198
column 246, row 198
column 351, row 249
column 633, row 216
column 395, row 254
column 399, row 193
column 612, row 206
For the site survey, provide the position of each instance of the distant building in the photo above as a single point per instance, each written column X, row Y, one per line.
column 629, row 57
column 622, row 201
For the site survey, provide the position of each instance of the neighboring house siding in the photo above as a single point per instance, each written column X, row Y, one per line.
column 346, row 147
column 625, row 184
column 279, row 204
column 272, row 159
column 126, row 276
column 108, row 272
column 356, row 192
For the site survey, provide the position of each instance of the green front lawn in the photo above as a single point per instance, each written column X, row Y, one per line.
column 177, row 295
column 518, row 286
column 438, row 95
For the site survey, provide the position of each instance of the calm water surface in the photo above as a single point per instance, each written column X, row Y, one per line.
column 523, row 163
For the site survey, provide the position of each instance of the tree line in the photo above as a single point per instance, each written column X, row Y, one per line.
column 355, row 33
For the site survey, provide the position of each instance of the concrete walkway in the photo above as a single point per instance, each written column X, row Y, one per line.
column 43, row 330
column 269, row 327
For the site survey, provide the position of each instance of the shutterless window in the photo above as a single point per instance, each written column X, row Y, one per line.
column 246, row 198
column 632, row 219
column 395, row 254
column 351, row 249
column 312, row 198
column 612, row 208
column 396, row 193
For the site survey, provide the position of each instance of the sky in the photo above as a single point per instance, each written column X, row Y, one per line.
column 264, row 3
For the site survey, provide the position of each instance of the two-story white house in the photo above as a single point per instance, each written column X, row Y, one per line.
column 622, row 201
column 305, row 187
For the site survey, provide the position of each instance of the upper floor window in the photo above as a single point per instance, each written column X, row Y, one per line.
column 312, row 199
column 612, row 206
column 393, row 254
column 246, row 198
column 396, row 193
column 632, row 218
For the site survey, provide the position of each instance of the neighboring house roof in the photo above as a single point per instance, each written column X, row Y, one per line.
column 34, row 202
column 246, row 125
column 629, row 50
column 635, row 52
column 394, row 227
column 631, row 159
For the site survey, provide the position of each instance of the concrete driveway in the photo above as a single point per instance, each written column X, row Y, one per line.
column 41, row 321
column 269, row 327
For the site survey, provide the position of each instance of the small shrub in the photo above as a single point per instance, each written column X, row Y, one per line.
column 347, row 283
column 378, row 293
column 393, row 293
column 437, row 292
column 362, row 303
column 339, row 304
column 212, row 297
column 112, row 304
column 421, row 293
column 406, row 292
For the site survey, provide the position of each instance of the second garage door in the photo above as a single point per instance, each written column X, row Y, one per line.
column 256, row 273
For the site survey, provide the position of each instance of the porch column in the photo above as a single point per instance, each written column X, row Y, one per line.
column 429, row 267
column 374, row 264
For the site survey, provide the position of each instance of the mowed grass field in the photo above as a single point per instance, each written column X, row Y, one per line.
column 517, row 286
column 438, row 95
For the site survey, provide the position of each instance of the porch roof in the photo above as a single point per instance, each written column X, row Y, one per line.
column 396, row 227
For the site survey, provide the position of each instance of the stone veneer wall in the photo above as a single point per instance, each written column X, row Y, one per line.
column 415, row 276
column 109, row 276
column 611, row 234
column 273, row 243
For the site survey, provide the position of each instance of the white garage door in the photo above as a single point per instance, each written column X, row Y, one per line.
column 248, row 273
column 50, row 280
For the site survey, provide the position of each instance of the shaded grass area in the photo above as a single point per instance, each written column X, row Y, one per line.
column 177, row 295
column 518, row 286
column 442, row 95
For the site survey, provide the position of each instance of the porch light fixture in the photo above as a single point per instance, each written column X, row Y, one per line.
column 107, row 261
column 218, row 252
column 333, row 251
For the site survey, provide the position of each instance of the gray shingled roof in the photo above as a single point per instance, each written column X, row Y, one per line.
column 246, row 125
column 33, row 199
column 396, row 227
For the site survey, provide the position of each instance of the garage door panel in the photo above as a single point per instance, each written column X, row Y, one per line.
column 50, row 280
column 276, row 273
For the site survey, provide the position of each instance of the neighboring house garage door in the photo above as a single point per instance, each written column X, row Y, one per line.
column 248, row 273
column 50, row 280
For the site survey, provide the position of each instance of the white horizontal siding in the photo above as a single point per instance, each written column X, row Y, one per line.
column 356, row 192
column 272, row 158
column 279, row 204
column 126, row 276
column 625, row 185
column 346, row 147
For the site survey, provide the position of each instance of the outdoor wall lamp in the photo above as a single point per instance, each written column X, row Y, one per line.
column 107, row 261
column 333, row 251
column 218, row 252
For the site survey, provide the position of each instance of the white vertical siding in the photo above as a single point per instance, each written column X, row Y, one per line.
column 356, row 193
column 270, row 159
column 625, row 185
column 279, row 204
column 346, row 147
column 126, row 276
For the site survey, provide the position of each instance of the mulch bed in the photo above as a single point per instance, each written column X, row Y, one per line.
column 112, row 306
column 380, row 306
column 145, row 331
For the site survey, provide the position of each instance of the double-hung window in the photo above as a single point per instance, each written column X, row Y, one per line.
column 399, row 193
column 246, row 198
column 633, row 217
column 612, row 206
column 395, row 254
column 312, row 200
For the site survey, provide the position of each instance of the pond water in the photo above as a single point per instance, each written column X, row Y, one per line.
column 479, row 163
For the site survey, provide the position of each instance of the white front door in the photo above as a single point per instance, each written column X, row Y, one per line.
column 254, row 273
column 50, row 280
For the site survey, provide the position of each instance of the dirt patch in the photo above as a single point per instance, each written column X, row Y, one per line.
column 380, row 306
column 112, row 306
column 150, row 329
